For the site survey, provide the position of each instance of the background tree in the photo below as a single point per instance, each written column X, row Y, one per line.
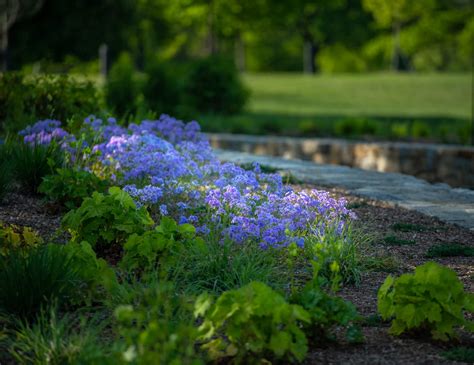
column 395, row 14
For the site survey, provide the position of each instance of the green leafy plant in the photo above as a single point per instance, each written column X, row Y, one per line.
column 342, row 248
column 156, row 329
column 143, row 252
column 57, row 340
column 106, row 218
column 68, row 187
column 327, row 311
column 450, row 250
column 97, row 278
column 42, row 277
column 431, row 298
column 31, row 163
column 252, row 323
column 16, row 238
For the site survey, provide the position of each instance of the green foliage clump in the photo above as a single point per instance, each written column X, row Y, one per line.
column 143, row 252
column 15, row 238
column 68, row 187
column 327, row 310
column 214, row 86
column 123, row 86
column 57, row 340
column 355, row 127
column 106, row 218
column 41, row 278
column 35, row 97
column 339, row 248
column 162, row 90
column 157, row 330
column 33, row 162
column 450, row 250
column 432, row 298
column 95, row 274
column 252, row 323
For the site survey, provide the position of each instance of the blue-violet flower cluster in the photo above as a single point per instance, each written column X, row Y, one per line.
column 169, row 166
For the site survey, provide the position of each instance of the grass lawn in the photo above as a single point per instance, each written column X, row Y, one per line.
column 387, row 95
column 433, row 107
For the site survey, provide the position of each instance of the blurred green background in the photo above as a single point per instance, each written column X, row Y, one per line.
column 373, row 69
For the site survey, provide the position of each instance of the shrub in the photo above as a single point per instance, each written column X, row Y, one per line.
column 252, row 323
column 214, row 87
column 53, row 340
column 15, row 238
column 23, row 99
column 106, row 218
column 68, row 186
column 355, row 127
column 162, row 89
column 123, row 86
column 431, row 298
column 157, row 329
column 33, row 281
column 32, row 162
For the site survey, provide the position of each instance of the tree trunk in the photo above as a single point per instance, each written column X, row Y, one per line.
column 4, row 43
column 395, row 63
column 239, row 48
column 310, row 51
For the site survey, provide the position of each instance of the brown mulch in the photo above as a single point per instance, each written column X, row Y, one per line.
column 376, row 219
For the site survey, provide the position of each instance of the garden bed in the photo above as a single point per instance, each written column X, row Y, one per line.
column 138, row 245
column 379, row 221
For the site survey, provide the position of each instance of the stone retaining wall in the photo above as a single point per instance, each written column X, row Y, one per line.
column 453, row 165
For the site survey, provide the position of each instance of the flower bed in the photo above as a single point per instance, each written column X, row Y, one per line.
column 163, row 254
column 169, row 167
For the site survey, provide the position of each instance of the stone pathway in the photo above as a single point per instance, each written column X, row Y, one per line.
column 438, row 200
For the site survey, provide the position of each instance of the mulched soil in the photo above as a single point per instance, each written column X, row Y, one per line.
column 374, row 218
column 377, row 220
